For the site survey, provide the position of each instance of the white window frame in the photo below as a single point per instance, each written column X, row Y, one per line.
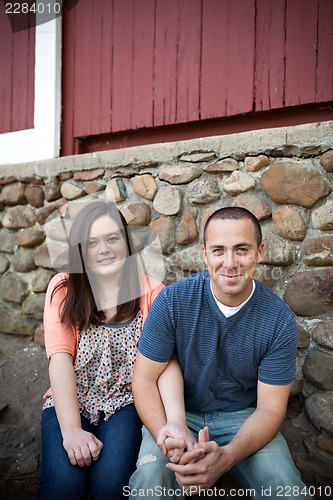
column 43, row 141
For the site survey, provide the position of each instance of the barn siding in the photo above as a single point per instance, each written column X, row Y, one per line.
column 131, row 65
column 17, row 63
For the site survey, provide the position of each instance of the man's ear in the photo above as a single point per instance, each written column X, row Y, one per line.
column 204, row 254
column 260, row 252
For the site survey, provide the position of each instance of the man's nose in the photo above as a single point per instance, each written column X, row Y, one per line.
column 230, row 259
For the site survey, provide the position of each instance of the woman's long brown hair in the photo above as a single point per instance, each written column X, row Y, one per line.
column 78, row 306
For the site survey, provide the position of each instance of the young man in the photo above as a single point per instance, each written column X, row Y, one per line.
column 236, row 345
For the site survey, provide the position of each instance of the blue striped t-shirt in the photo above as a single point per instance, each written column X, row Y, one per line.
column 221, row 358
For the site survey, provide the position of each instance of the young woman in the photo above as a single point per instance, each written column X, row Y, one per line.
column 93, row 318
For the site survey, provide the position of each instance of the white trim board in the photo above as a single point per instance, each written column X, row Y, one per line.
column 43, row 141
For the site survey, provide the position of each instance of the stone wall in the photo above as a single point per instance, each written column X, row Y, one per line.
column 284, row 176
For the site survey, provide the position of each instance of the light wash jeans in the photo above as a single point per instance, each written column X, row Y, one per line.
column 268, row 474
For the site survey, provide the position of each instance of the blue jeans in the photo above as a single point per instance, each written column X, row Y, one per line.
column 269, row 474
column 105, row 478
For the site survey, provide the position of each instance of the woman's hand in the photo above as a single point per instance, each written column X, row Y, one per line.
column 173, row 439
column 82, row 447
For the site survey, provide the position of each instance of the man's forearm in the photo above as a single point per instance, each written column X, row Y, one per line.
column 255, row 433
column 149, row 405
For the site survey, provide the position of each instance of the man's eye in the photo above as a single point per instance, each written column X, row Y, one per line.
column 242, row 250
column 218, row 251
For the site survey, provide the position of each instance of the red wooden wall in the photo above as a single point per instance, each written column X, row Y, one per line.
column 17, row 66
column 136, row 64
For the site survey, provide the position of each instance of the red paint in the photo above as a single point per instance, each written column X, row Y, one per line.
column 17, row 63
column 133, row 68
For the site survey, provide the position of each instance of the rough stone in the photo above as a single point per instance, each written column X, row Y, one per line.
column 322, row 333
column 198, row 157
column 12, row 288
column 289, row 223
column 203, row 191
column 35, row 196
column 136, row 214
column 303, row 337
column 168, row 200
column 71, row 191
column 296, row 388
column 322, row 218
column 13, row 321
column 225, row 165
column 43, row 213
column 13, row 194
column 318, row 251
column 326, row 161
column 23, row 260
column 255, row 163
column 254, row 204
column 165, row 229
column 40, row 280
column 319, row 407
column 122, row 171
column 39, row 336
column 89, row 175
column 4, row 264
column 179, row 175
column 277, row 251
column 58, row 229
column 188, row 229
column 153, row 264
column 92, row 187
column 30, row 237
column 8, row 241
column 18, row 217
column 65, row 176
column 115, row 191
column 318, row 368
column 52, row 255
column 52, row 190
column 238, row 182
column 295, row 184
column 325, row 443
column 145, row 185
column 310, row 293
column 33, row 306
column 265, row 274
column 189, row 259
column 7, row 180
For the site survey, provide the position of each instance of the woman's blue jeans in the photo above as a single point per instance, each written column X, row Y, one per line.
column 268, row 474
column 105, row 478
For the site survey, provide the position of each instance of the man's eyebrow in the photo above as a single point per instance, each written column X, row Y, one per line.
column 238, row 245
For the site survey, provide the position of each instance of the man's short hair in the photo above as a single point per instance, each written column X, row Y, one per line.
column 234, row 213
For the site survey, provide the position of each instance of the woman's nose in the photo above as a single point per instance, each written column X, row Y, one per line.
column 103, row 247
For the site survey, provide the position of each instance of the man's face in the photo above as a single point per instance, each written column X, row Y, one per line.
column 231, row 256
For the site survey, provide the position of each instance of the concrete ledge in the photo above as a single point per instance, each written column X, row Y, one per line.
column 295, row 140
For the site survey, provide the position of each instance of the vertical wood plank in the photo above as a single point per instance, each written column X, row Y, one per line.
column 270, row 33
column 165, row 64
column 99, row 62
column 143, row 57
column 68, row 78
column 17, row 62
column 122, row 70
column 325, row 52
column 227, row 57
column 188, row 74
column 301, row 45
column 84, row 46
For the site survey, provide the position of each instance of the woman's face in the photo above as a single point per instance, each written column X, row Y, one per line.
column 106, row 247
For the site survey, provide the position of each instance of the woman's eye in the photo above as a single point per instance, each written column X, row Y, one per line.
column 91, row 243
column 112, row 239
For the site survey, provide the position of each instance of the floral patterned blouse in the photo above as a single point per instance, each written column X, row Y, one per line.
column 104, row 367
